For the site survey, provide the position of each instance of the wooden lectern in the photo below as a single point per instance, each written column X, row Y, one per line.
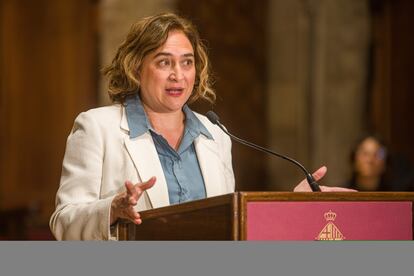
column 280, row 216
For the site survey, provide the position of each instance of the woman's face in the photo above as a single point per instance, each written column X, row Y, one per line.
column 370, row 158
column 167, row 75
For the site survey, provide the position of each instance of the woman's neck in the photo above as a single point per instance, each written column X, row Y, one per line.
column 169, row 125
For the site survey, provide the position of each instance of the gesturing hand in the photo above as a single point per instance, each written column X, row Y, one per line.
column 303, row 186
column 122, row 205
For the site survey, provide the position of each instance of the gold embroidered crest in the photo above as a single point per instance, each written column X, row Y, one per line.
column 330, row 232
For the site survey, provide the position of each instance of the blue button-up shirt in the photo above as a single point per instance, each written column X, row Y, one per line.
column 181, row 168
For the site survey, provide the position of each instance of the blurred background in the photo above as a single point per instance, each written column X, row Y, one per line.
column 305, row 78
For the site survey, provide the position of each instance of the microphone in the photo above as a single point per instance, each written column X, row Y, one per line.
column 216, row 120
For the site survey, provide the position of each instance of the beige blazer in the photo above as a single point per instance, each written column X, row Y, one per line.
column 100, row 156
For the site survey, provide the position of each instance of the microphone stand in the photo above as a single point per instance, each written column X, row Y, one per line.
column 309, row 178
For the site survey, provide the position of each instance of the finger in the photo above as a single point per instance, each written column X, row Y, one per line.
column 134, row 191
column 131, row 191
column 319, row 173
column 147, row 185
column 137, row 221
column 127, row 201
column 303, row 186
column 132, row 201
column 134, row 216
column 336, row 189
column 131, row 214
column 129, row 187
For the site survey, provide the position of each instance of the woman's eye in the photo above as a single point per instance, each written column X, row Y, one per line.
column 164, row 63
column 188, row 62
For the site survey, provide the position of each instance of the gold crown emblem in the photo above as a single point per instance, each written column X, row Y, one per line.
column 330, row 216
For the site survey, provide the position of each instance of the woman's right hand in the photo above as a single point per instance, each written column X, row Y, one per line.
column 122, row 205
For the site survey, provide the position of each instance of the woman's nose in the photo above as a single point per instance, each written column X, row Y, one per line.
column 176, row 73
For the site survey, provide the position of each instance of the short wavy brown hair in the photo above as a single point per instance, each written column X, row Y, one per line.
column 146, row 36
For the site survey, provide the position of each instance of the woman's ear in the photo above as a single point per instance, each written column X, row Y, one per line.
column 138, row 79
column 138, row 75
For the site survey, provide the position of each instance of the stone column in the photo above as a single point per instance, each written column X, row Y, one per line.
column 318, row 52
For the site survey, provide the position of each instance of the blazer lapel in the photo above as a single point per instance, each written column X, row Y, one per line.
column 145, row 157
column 210, row 165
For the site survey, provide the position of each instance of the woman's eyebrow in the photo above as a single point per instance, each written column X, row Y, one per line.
column 169, row 54
column 162, row 54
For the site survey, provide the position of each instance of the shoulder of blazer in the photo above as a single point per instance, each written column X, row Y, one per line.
column 213, row 129
column 219, row 136
column 102, row 119
column 106, row 114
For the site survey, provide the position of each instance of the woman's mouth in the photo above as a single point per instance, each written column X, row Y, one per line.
column 175, row 91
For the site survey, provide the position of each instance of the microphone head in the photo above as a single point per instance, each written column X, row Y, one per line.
column 213, row 117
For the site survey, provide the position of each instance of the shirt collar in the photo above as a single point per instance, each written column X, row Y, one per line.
column 139, row 124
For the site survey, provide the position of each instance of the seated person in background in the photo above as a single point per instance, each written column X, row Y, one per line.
column 374, row 169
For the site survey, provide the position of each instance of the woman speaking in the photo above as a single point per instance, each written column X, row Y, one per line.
column 148, row 149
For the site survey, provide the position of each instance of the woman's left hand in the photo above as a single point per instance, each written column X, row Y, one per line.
column 303, row 186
